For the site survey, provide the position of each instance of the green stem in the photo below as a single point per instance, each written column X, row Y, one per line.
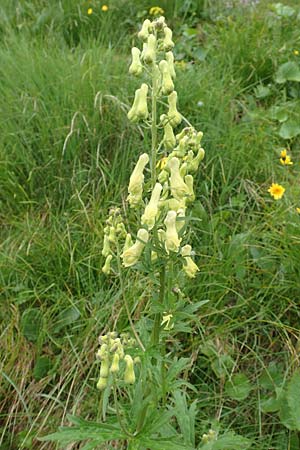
column 157, row 319
column 154, row 124
column 125, row 299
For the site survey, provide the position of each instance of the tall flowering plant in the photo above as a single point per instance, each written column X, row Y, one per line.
column 143, row 398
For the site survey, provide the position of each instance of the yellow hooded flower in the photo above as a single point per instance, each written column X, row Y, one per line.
column 179, row 189
column 172, row 241
column 129, row 375
column 189, row 266
column 151, row 210
column 106, row 267
column 173, row 115
column 136, row 67
column 133, row 253
column 135, row 188
column 167, row 85
column 139, row 109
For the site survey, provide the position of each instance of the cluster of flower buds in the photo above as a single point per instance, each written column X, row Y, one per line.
column 112, row 354
column 114, row 229
column 209, row 437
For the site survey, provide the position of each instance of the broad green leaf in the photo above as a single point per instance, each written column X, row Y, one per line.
column 66, row 317
column 271, row 404
column 278, row 113
column 272, row 376
column 293, row 398
column 32, row 324
column 289, row 130
column 42, row 366
column 238, row 387
column 222, row 365
column 262, row 91
column 289, row 71
column 285, row 413
column 283, row 10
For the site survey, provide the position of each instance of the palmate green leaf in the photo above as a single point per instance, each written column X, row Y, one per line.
column 289, row 129
column 32, row 324
column 238, row 387
column 293, row 398
column 164, row 444
column 83, row 430
column 289, row 71
column 228, row 441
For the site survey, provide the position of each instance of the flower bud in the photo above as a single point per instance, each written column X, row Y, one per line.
column 102, row 383
column 128, row 242
column 168, row 44
column 133, row 253
column 135, row 188
column 136, row 67
column 167, row 85
column 189, row 266
column 106, row 246
column 150, row 54
column 172, row 241
column 144, row 32
column 129, row 375
column 151, row 210
column 139, row 109
column 112, row 235
column 173, row 114
column 121, row 230
column 178, row 187
column 106, row 268
column 170, row 61
column 115, row 364
column 102, row 352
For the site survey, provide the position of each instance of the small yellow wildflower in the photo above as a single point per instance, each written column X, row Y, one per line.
column 276, row 190
column 156, row 11
column 296, row 52
column 298, row 210
column 90, row 11
column 181, row 65
column 104, row 8
column 285, row 159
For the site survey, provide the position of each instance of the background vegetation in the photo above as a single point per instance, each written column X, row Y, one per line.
column 65, row 147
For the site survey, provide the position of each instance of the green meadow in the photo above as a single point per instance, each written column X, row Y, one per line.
column 67, row 150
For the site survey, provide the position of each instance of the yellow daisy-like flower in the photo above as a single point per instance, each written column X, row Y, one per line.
column 276, row 190
column 156, row 11
column 104, row 8
column 90, row 11
column 296, row 52
column 285, row 159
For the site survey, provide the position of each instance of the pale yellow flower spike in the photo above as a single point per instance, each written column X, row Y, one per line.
column 133, row 253
column 151, row 210
column 189, row 266
column 172, row 241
